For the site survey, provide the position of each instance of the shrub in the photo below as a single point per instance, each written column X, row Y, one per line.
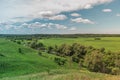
column 102, row 50
column 94, row 61
column 39, row 53
column 75, row 59
column 97, row 38
column 115, row 71
column 36, row 45
column 60, row 61
column 19, row 50
column 50, row 49
column 18, row 42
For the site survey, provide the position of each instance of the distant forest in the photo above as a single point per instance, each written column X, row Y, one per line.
column 28, row 36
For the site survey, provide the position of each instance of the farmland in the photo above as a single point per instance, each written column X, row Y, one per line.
column 109, row 43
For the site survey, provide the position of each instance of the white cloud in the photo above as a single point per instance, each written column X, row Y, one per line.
column 88, row 6
column 107, row 10
column 118, row 15
column 57, row 26
column 44, row 25
column 72, row 29
column 60, row 27
column 44, row 8
column 58, row 17
column 36, row 25
column 44, row 14
column 81, row 20
column 8, row 26
column 75, row 15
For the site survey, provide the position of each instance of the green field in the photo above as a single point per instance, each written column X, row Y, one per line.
column 109, row 43
column 13, row 63
column 28, row 65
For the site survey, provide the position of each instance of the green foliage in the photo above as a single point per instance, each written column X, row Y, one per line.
column 94, row 61
column 50, row 49
column 20, row 50
column 60, row 61
column 97, row 38
column 36, row 45
column 103, row 62
column 18, row 42
column 39, row 53
column 64, row 50
column 102, row 50
column 75, row 58
column 115, row 71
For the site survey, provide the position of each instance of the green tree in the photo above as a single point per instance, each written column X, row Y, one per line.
column 19, row 50
column 94, row 61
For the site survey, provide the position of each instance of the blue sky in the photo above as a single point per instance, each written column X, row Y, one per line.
column 59, row 16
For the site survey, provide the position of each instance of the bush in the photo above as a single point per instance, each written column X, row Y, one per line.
column 50, row 49
column 115, row 71
column 18, row 42
column 75, row 59
column 39, row 53
column 102, row 50
column 60, row 61
column 36, row 45
column 94, row 61
column 19, row 50
column 97, row 38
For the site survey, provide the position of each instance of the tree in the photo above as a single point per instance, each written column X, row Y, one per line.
column 60, row 61
column 36, row 45
column 94, row 61
column 102, row 50
column 50, row 49
column 19, row 50
column 18, row 42
column 64, row 50
column 97, row 38
column 75, row 58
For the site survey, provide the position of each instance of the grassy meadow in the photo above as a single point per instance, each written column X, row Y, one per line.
column 109, row 43
column 29, row 65
column 13, row 63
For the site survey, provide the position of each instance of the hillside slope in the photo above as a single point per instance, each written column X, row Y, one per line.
column 13, row 62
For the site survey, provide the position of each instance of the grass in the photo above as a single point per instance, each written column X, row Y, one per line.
column 13, row 63
column 65, row 75
column 109, row 43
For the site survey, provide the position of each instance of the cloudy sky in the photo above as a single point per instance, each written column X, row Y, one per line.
column 59, row 16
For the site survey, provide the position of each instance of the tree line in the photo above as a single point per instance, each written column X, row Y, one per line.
column 96, row 60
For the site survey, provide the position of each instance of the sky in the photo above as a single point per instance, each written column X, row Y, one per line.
column 59, row 16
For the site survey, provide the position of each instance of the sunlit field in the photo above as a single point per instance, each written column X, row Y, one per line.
column 109, row 43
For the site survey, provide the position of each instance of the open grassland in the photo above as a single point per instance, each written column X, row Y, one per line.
column 109, row 43
column 13, row 63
